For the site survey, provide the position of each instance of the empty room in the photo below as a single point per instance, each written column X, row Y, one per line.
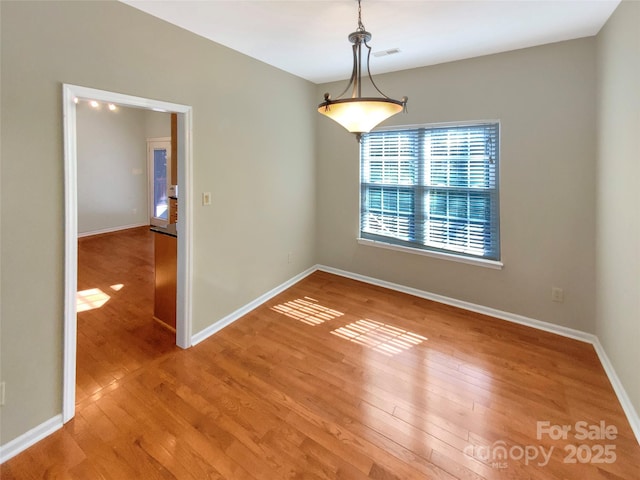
column 331, row 239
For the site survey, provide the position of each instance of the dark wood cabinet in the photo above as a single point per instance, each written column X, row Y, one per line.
column 166, row 251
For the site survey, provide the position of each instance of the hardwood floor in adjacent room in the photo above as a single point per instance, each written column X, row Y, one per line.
column 337, row 379
column 117, row 335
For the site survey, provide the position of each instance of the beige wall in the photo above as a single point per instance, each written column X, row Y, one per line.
column 290, row 178
column 618, row 208
column 157, row 124
column 253, row 146
column 544, row 98
column 112, row 166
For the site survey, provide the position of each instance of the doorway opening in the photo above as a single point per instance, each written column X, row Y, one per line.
column 71, row 95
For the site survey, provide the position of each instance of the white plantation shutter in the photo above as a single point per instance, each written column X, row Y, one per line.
column 432, row 188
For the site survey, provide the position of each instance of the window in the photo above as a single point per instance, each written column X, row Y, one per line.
column 432, row 188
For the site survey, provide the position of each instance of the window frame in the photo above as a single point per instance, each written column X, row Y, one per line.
column 408, row 247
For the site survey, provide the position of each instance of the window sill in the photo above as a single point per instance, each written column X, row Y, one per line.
column 480, row 262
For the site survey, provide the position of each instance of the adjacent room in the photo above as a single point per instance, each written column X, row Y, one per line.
column 448, row 292
column 123, row 176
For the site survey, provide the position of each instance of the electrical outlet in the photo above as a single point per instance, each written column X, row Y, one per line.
column 557, row 294
column 290, row 257
column 2, row 390
column 206, row 198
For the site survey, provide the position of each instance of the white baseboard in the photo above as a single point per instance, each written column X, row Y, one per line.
column 623, row 398
column 24, row 441
column 112, row 229
column 492, row 312
column 36, row 434
column 232, row 317
column 625, row 401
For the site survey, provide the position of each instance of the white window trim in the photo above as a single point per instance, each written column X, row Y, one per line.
column 413, row 126
column 479, row 262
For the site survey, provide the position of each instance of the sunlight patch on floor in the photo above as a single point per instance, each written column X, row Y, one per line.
column 307, row 310
column 379, row 336
column 90, row 299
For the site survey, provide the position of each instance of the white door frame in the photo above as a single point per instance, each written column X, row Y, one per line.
column 151, row 144
column 71, row 94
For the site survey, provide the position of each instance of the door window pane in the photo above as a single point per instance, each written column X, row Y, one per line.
column 160, row 201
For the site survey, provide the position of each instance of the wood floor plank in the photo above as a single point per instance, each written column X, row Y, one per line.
column 331, row 379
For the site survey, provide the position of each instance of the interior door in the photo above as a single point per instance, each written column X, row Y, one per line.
column 159, row 170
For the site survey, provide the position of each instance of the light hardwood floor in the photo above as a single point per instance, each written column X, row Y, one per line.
column 117, row 338
column 337, row 379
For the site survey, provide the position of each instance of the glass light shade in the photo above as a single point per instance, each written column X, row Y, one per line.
column 360, row 115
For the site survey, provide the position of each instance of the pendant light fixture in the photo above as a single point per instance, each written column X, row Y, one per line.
column 360, row 114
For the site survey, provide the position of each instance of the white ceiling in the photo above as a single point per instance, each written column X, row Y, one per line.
column 308, row 38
